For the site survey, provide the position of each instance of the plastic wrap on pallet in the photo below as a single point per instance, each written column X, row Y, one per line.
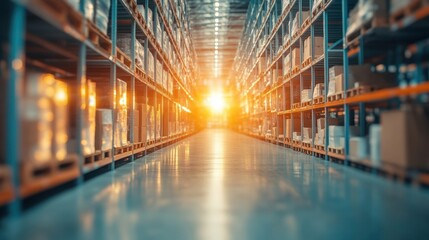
column 150, row 123
column 158, row 122
column 319, row 138
column 307, row 136
column 319, row 90
column 121, row 122
column 295, row 24
column 151, row 65
column 103, row 129
column 296, row 58
column 306, row 95
column 374, row 144
column 286, row 64
column 135, row 126
column 307, row 49
column 37, row 118
column 336, row 136
column 60, row 121
column 149, row 19
column 358, row 148
column 159, row 72
column 102, row 11
column 320, row 124
column 296, row 136
column 139, row 56
column 89, row 115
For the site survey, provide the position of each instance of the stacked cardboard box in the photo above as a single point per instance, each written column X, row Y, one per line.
column 151, row 65
column 318, row 47
column 319, row 90
column 103, row 129
column 308, row 135
column 286, row 64
column 296, row 62
column 336, row 136
column 296, row 136
column 405, row 137
column 319, row 138
column 335, row 80
column 358, row 148
column 121, row 122
column 306, row 95
column 44, row 114
column 89, row 112
column 374, row 144
column 101, row 13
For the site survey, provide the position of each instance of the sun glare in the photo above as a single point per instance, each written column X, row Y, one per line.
column 216, row 102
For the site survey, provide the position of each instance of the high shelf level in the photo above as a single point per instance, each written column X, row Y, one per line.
column 105, row 81
column 343, row 80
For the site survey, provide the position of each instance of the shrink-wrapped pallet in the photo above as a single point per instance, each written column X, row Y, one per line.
column 103, row 129
column 89, row 115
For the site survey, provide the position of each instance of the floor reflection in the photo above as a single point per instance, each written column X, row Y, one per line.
column 222, row 185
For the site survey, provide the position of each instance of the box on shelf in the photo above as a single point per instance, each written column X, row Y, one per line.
column 335, row 71
column 296, row 136
column 121, row 122
column 320, row 124
column 339, row 84
column 103, row 129
column 288, row 132
column 319, row 90
column 151, row 65
column 319, row 139
column 374, row 144
column 135, row 126
column 336, row 136
column 358, row 148
column 306, row 95
column 362, row 75
column 405, row 137
column 286, row 64
column 37, row 117
column 307, row 136
column 296, row 58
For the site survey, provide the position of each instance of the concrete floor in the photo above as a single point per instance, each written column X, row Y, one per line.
column 226, row 186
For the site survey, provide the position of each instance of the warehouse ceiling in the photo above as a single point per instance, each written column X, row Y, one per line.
column 216, row 27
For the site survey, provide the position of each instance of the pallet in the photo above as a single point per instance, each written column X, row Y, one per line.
column 306, row 104
column 288, row 141
column 307, row 145
column 339, row 151
column 98, row 38
column 335, row 97
column 123, row 58
column 295, row 70
column 296, row 34
column 372, row 24
column 32, row 172
column 318, row 8
column 319, row 147
column 319, row 100
column 58, row 12
column 123, row 149
column 359, row 91
column 306, row 62
column 408, row 11
column 132, row 4
column 306, row 23
column 296, row 105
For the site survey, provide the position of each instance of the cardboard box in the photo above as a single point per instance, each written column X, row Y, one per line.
column 60, row 128
column 405, row 137
column 103, row 129
column 332, row 88
column 296, row 62
column 308, row 135
column 319, row 90
column 335, row 71
column 339, row 84
column 318, row 47
column 287, row 64
column 307, row 49
column 306, row 95
column 358, row 148
column 88, row 130
column 288, row 132
column 320, row 124
column 337, row 131
column 374, row 144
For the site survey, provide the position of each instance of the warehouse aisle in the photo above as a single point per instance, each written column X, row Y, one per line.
column 222, row 185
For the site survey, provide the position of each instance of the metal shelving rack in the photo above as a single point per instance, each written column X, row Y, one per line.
column 330, row 20
column 83, row 52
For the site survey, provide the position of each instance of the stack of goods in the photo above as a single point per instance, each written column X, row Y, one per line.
column 318, row 48
column 143, row 130
column 103, row 129
column 151, row 65
column 296, row 136
column 374, row 144
column 158, row 31
column 308, row 135
column 89, row 115
column 319, row 139
column 358, row 148
column 150, row 123
column 139, row 55
column 121, row 121
column 405, row 137
column 158, row 122
column 102, row 11
column 44, row 114
column 296, row 24
column 296, row 58
column 135, row 116
column 124, row 42
column 368, row 10
column 316, row 4
column 319, row 90
column 286, row 64
column 165, row 79
column 336, row 137
column 335, row 80
column 288, row 132
column 306, row 95
column 159, row 68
